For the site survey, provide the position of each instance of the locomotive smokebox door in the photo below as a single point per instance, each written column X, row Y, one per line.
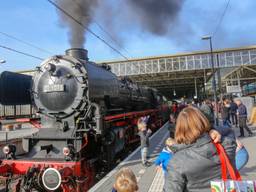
column 60, row 86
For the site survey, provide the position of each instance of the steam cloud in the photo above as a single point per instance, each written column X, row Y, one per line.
column 153, row 16
column 81, row 10
column 168, row 18
column 156, row 16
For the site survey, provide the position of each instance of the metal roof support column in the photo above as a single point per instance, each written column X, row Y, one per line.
column 218, row 75
column 205, row 83
column 239, row 84
column 195, row 89
column 214, row 84
column 249, row 55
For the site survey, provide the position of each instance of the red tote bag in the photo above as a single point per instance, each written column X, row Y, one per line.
column 226, row 167
column 231, row 179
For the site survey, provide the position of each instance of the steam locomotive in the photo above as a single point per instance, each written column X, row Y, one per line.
column 88, row 117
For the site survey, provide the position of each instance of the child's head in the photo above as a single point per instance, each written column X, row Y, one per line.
column 126, row 181
column 141, row 124
column 169, row 142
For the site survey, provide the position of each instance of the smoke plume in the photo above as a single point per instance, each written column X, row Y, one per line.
column 117, row 16
column 81, row 10
column 154, row 15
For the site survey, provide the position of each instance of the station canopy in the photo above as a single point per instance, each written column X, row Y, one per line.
column 182, row 74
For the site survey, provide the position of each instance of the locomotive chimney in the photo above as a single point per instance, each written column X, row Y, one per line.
column 78, row 53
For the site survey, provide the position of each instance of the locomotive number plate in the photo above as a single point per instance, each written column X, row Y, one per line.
column 54, row 88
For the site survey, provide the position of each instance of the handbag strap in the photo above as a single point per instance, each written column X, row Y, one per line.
column 226, row 165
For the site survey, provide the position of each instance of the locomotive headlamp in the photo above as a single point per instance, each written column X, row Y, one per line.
column 66, row 151
column 51, row 179
column 8, row 149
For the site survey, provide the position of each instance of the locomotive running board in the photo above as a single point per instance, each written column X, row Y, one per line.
column 130, row 114
column 20, row 167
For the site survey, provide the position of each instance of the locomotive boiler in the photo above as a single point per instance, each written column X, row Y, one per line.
column 87, row 116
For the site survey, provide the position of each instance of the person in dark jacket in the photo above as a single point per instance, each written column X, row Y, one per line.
column 144, row 134
column 233, row 110
column 171, row 125
column 225, row 112
column 195, row 161
column 175, row 109
column 242, row 155
column 242, row 118
column 207, row 110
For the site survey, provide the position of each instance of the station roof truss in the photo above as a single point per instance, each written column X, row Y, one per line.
column 182, row 71
column 245, row 74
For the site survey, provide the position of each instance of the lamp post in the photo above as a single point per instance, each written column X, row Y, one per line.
column 216, row 120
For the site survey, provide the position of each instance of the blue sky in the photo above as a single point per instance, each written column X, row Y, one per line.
column 36, row 21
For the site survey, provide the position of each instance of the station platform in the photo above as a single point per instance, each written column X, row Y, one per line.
column 148, row 178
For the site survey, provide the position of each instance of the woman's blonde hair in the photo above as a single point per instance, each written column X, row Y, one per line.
column 190, row 125
column 126, row 181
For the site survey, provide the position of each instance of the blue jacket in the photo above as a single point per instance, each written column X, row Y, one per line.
column 164, row 157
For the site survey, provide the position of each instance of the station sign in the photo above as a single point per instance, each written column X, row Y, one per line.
column 233, row 89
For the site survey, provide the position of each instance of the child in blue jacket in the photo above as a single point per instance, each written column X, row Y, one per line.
column 165, row 156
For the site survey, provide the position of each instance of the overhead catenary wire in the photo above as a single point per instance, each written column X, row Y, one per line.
column 20, row 52
column 86, row 28
column 25, row 42
column 110, row 36
column 221, row 18
column 106, row 32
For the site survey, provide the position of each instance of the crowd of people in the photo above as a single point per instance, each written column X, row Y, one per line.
column 190, row 158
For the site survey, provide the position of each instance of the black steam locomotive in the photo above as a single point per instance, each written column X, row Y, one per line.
column 87, row 117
